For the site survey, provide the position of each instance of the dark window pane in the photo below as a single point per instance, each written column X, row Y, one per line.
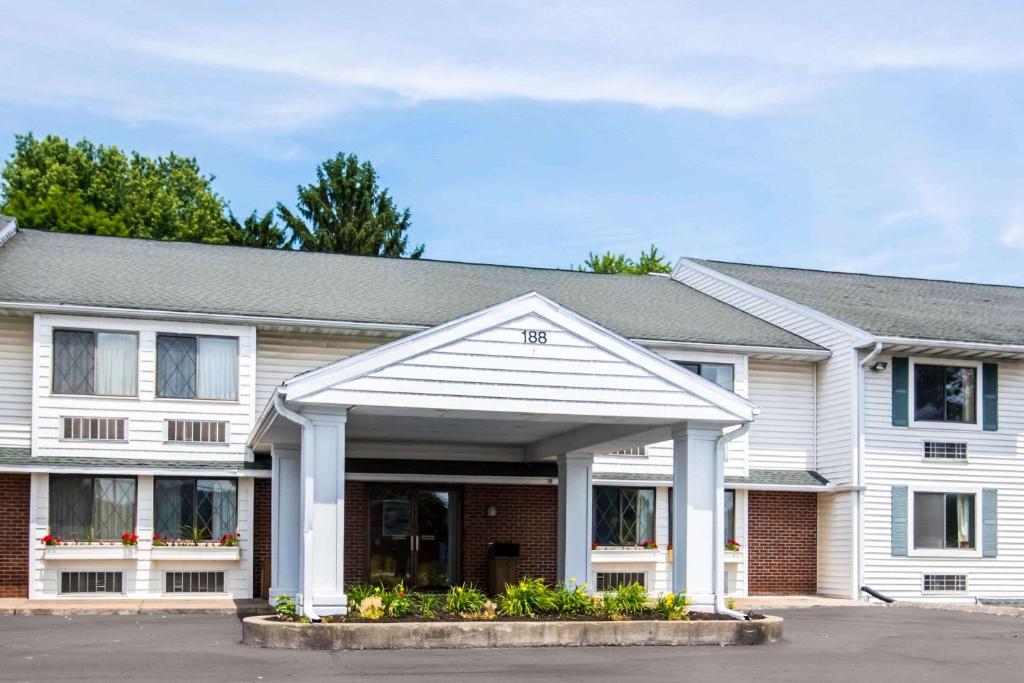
column 113, row 507
column 74, row 357
column 174, row 507
column 175, row 367
column 71, row 507
column 959, row 520
column 929, row 392
column 216, row 507
column 730, row 515
column 623, row 516
column 692, row 367
column 606, row 515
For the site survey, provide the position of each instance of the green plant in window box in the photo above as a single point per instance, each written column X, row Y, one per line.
column 129, row 540
column 159, row 541
column 732, row 545
column 229, row 540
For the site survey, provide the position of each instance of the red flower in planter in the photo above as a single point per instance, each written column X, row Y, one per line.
column 49, row 539
column 649, row 545
column 129, row 540
column 593, row 546
column 731, row 545
column 668, row 547
column 229, row 540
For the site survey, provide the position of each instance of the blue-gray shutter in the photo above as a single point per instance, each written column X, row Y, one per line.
column 990, row 396
column 899, row 521
column 900, row 391
column 989, row 522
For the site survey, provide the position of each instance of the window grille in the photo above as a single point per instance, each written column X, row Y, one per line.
column 609, row 581
column 636, row 451
column 197, row 431
column 194, row 582
column 91, row 582
column 943, row 450
column 945, row 583
column 94, row 428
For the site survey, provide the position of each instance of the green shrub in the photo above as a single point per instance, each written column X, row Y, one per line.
column 525, row 598
column 285, row 607
column 357, row 592
column 395, row 602
column 569, row 599
column 608, row 607
column 428, row 604
column 464, row 599
column 631, row 598
column 674, row 607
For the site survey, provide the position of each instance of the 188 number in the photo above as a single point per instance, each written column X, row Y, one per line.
column 535, row 337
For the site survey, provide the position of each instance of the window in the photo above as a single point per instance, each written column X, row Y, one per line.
column 91, row 582
column 194, row 582
column 609, row 581
column 196, row 367
column 91, row 508
column 623, row 516
column 203, row 509
column 945, row 393
column 941, row 450
column 719, row 373
column 945, row 583
column 944, row 521
column 95, row 363
column 730, row 515
column 94, row 428
column 197, row 431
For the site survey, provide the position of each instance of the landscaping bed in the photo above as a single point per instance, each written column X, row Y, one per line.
column 527, row 614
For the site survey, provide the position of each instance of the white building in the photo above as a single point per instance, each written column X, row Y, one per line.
column 359, row 419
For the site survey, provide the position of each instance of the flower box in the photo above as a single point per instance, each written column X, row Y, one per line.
column 623, row 554
column 89, row 551
column 193, row 553
column 734, row 556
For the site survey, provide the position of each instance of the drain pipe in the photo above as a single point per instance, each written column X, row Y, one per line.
column 307, row 503
column 858, row 469
column 719, row 583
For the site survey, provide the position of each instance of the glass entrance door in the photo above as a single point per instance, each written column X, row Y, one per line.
column 412, row 536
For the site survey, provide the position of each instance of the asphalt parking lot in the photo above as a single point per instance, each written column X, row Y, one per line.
column 832, row 643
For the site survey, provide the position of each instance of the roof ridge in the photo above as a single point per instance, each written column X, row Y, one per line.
column 846, row 272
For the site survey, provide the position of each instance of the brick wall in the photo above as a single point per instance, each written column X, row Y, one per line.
column 356, row 541
column 14, row 511
column 527, row 515
column 782, row 537
column 260, row 534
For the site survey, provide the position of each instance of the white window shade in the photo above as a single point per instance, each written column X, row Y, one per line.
column 218, row 368
column 116, row 364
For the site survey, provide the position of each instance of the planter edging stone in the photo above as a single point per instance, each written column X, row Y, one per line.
column 266, row 631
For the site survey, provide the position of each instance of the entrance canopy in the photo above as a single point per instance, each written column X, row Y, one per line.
column 528, row 378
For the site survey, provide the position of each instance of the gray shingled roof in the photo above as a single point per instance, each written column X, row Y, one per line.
column 44, row 267
column 754, row 478
column 896, row 306
column 22, row 457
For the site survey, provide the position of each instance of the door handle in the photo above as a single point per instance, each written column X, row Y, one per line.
column 417, row 543
column 412, row 542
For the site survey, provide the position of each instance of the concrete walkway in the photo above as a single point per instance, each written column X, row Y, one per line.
column 770, row 602
column 113, row 607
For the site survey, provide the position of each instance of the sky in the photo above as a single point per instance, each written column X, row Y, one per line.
column 872, row 137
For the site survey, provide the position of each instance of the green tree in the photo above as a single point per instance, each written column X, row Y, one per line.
column 345, row 211
column 258, row 231
column 649, row 262
column 50, row 184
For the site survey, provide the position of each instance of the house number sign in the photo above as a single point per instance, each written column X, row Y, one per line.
column 535, row 337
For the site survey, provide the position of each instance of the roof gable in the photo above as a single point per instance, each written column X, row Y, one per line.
column 527, row 355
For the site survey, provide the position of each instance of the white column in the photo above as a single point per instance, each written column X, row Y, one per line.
column 322, row 575
column 575, row 516
column 285, row 525
column 697, row 551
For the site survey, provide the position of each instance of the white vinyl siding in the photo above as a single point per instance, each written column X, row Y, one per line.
column 15, row 381
column 282, row 355
column 147, row 415
column 894, row 457
column 782, row 436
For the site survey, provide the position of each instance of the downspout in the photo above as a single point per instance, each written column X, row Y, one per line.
column 719, row 583
column 307, row 503
column 858, row 470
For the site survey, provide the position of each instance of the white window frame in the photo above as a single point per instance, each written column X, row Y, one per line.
column 914, row 551
column 197, row 336
column 938, row 425
column 56, row 327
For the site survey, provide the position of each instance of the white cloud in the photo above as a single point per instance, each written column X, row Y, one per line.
column 1013, row 236
column 253, row 66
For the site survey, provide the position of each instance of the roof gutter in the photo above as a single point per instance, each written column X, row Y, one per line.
column 814, row 354
column 951, row 344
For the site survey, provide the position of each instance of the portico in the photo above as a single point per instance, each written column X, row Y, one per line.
column 526, row 383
